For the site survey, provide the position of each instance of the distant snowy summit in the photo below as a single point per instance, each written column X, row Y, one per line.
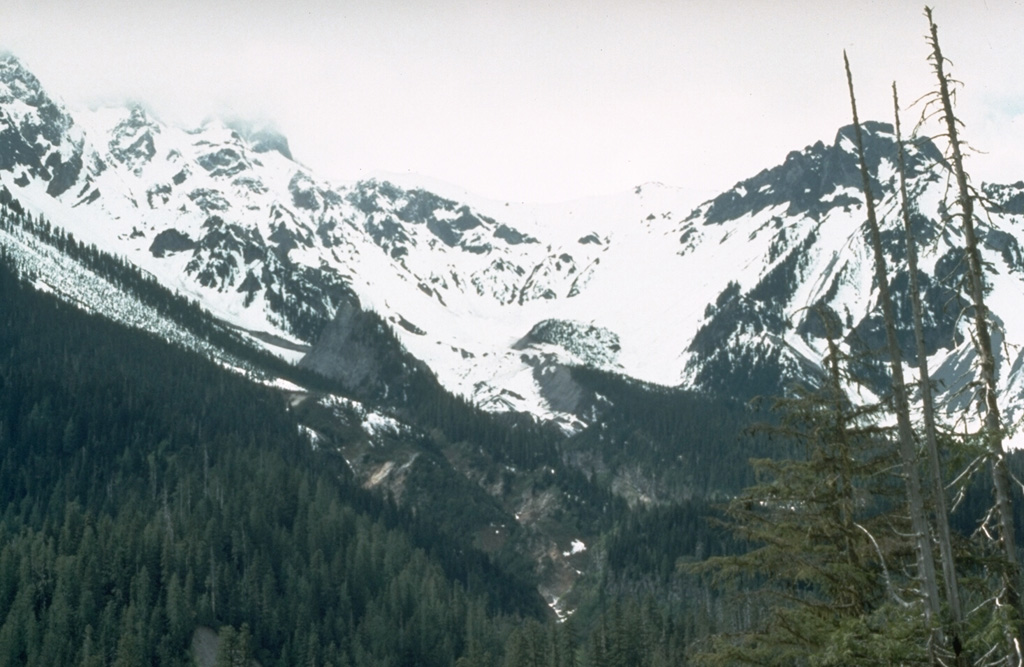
column 500, row 300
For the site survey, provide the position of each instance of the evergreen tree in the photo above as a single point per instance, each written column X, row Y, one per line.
column 822, row 582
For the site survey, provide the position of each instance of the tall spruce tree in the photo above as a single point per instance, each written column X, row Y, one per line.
column 822, row 583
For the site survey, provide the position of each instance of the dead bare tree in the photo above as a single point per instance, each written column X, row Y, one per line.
column 938, row 491
column 992, row 429
column 905, row 433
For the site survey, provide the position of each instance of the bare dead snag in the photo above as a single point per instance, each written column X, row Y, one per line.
column 938, row 490
column 908, row 455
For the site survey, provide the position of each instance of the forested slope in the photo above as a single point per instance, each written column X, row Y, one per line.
column 146, row 492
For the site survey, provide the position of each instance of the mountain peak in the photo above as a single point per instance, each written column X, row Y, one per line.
column 36, row 133
column 138, row 115
column 813, row 180
column 20, row 83
column 262, row 137
column 131, row 140
column 870, row 130
column 880, row 143
column 10, row 63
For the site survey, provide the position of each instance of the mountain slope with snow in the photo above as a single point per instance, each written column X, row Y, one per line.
column 499, row 300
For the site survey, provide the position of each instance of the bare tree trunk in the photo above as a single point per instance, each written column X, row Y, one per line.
column 928, row 408
column 908, row 455
column 983, row 341
column 844, row 484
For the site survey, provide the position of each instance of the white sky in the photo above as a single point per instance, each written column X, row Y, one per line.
column 522, row 100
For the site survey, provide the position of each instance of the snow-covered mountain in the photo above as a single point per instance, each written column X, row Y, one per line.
column 498, row 300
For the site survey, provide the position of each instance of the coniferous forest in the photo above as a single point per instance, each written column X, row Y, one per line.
column 148, row 492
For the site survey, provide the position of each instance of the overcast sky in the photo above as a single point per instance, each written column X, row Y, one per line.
column 522, row 100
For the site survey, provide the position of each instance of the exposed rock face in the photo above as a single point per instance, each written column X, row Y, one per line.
column 170, row 241
column 132, row 141
column 37, row 135
column 592, row 345
column 809, row 181
column 559, row 389
column 343, row 352
column 356, row 350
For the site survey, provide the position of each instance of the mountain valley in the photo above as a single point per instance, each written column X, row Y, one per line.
column 536, row 406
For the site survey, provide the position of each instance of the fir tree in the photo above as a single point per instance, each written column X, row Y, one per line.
column 822, row 582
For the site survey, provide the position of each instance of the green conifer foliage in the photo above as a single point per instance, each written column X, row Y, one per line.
column 824, row 581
